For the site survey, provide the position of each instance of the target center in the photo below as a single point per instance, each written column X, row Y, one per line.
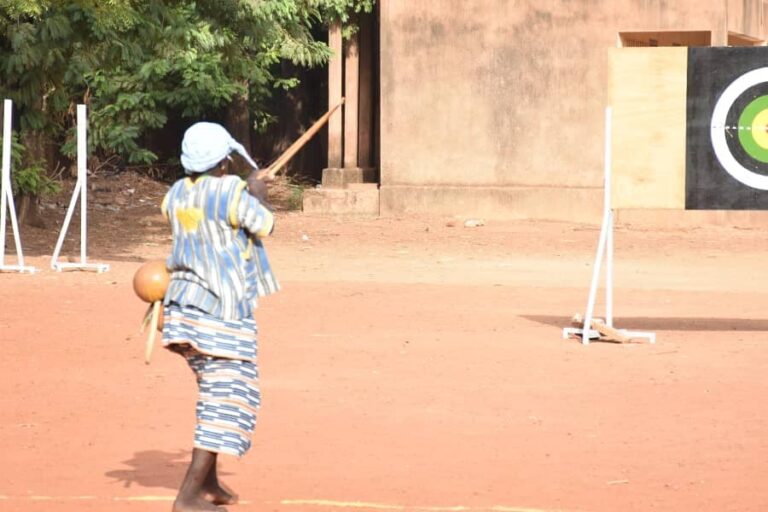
column 760, row 129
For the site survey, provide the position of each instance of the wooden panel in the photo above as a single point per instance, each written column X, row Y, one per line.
column 666, row 38
column 647, row 88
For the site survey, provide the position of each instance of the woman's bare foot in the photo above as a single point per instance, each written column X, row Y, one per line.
column 220, row 494
column 216, row 491
column 193, row 488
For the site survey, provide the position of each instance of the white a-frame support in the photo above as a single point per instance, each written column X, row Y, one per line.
column 81, row 191
column 6, row 199
column 604, row 251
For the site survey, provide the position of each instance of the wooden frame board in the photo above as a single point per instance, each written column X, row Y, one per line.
column 648, row 93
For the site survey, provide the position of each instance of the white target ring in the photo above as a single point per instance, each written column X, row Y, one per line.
column 717, row 129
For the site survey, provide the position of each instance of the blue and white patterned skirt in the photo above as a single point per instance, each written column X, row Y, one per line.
column 228, row 384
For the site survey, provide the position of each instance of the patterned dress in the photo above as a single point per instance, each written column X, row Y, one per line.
column 218, row 269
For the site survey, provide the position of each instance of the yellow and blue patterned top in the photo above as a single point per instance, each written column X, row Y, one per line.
column 218, row 263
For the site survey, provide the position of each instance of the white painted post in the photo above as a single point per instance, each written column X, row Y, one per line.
column 604, row 249
column 609, row 273
column 609, row 215
column 595, row 281
column 5, row 174
column 55, row 265
column 6, row 197
column 605, row 235
column 82, row 158
column 81, row 192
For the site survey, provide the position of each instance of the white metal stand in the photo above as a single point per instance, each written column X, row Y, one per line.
column 81, row 190
column 6, row 199
column 604, row 251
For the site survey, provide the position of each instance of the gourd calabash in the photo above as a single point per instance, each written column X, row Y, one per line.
column 151, row 280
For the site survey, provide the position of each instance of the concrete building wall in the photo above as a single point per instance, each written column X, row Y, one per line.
column 495, row 107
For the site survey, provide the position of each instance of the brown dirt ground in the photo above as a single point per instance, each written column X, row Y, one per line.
column 407, row 365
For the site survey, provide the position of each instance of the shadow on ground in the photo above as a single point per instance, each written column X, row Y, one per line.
column 666, row 323
column 154, row 468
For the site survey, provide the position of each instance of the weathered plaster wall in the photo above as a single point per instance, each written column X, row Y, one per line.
column 494, row 107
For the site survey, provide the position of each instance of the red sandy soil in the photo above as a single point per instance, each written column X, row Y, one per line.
column 406, row 365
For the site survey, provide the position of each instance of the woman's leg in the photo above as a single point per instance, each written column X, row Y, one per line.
column 221, row 383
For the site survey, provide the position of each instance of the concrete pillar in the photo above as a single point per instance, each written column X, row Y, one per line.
column 347, row 190
column 342, row 172
column 351, row 101
column 335, row 71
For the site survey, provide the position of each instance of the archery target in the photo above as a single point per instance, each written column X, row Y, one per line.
column 750, row 133
column 727, row 147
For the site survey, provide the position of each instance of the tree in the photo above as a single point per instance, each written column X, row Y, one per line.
column 43, row 47
column 137, row 63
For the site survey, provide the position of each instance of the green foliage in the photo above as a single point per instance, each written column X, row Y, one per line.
column 17, row 150
column 344, row 12
column 14, row 9
column 32, row 179
column 137, row 63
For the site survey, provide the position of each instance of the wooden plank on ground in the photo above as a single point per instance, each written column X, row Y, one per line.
column 606, row 332
column 609, row 333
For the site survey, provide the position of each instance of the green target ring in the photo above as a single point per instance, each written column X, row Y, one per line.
column 753, row 129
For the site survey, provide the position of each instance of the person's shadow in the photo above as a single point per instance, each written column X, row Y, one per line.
column 154, row 468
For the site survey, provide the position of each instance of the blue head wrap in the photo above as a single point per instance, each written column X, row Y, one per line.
column 207, row 144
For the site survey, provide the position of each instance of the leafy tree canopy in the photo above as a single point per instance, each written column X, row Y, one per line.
column 137, row 62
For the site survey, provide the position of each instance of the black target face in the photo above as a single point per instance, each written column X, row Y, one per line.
column 727, row 140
